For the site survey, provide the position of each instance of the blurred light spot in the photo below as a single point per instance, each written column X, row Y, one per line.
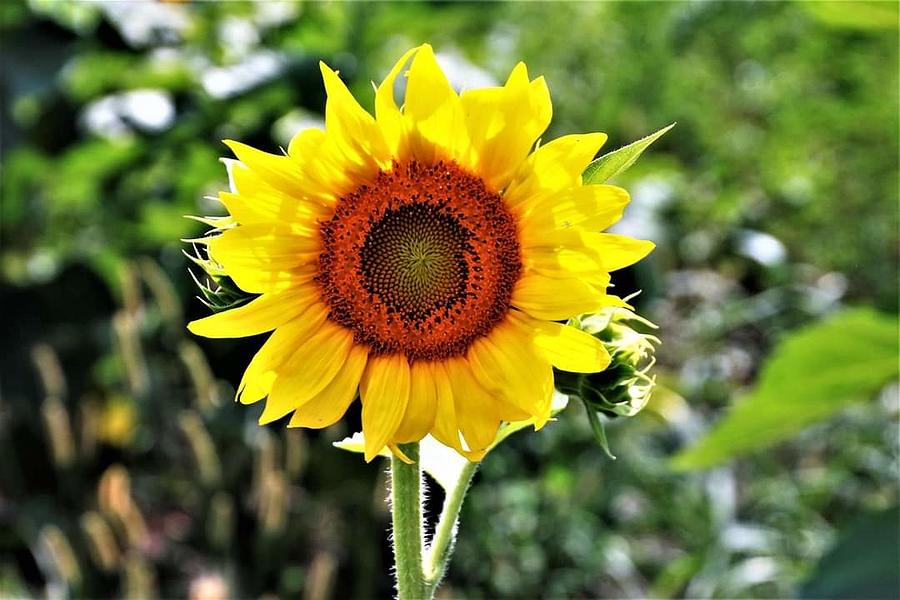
column 629, row 505
column 797, row 189
column 41, row 266
column 697, row 246
column 101, row 118
column 765, row 249
column 721, row 489
column 210, row 586
column 641, row 220
column 292, row 123
column 754, row 571
column 461, row 73
column 147, row 23
column 274, row 12
column 826, row 292
column 255, row 69
column 114, row 116
column 502, row 42
column 148, row 109
column 237, row 36
column 746, row 538
column 706, row 285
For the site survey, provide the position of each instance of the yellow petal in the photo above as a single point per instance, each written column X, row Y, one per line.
column 266, row 207
column 427, row 88
column 422, row 407
column 260, row 315
column 503, row 124
column 303, row 145
column 313, row 365
column 446, row 428
column 327, row 168
column 476, row 409
column 433, row 111
column 507, row 364
column 252, row 200
column 554, row 167
column 318, row 175
column 556, row 299
column 568, row 348
column 384, row 391
column 616, row 251
column 396, row 451
column 262, row 258
column 562, row 263
column 590, row 207
column 261, row 372
column 388, row 114
column 329, row 405
column 276, row 170
column 355, row 129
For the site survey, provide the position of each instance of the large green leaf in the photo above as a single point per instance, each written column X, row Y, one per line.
column 863, row 562
column 812, row 374
column 864, row 15
column 617, row 161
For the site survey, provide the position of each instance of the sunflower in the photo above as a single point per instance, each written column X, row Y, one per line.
column 424, row 259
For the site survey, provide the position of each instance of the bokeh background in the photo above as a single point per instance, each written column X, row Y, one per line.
column 127, row 470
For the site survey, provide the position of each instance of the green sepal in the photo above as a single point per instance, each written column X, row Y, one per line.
column 618, row 161
column 624, row 387
column 219, row 293
column 597, row 428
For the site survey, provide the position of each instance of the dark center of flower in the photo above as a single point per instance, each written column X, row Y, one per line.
column 421, row 261
column 414, row 259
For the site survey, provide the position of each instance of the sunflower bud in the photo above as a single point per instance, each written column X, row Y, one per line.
column 624, row 388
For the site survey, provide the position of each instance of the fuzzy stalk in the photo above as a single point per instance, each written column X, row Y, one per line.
column 406, row 514
column 442, row 544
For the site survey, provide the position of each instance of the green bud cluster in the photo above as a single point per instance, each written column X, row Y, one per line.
column 624, row 388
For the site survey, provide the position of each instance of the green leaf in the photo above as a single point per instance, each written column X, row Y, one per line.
column 618, row 161
column 812, row 374
column 863, row 562
column 863, row 15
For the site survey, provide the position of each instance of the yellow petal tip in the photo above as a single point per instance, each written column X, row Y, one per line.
column 400, row 454
column 196, row 327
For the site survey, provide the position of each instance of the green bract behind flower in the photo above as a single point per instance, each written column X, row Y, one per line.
column 625, row 387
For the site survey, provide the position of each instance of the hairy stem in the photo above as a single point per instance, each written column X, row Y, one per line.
column 406, row 513
column 441, row 547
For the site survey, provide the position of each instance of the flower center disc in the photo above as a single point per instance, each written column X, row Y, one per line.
column 422, row 261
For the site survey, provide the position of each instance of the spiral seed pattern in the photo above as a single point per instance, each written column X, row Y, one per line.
column 420, row 261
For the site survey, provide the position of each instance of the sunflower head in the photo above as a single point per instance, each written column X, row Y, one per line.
column 423, row 259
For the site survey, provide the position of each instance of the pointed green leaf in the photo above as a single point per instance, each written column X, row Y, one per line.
column 618, row 161
column 599, row 431
column 811, row 375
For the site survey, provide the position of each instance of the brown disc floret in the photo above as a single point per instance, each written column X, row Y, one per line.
column 421, row 261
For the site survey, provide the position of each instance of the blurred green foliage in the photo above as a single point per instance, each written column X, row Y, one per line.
column 129, row 472
column 813, row 374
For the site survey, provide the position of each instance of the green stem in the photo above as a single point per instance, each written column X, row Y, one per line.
column 406, row 512
column 441, row 547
